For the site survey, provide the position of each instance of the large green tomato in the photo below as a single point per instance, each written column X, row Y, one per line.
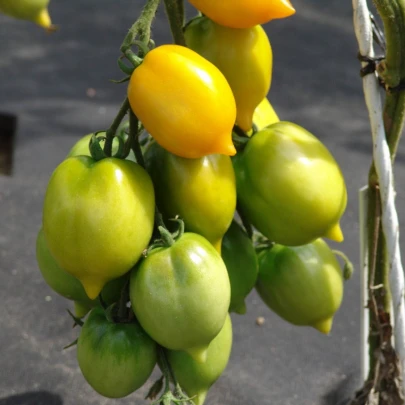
column 180, row 294
column 98, row 217
column 70, row 287
column 201, row 191
column 241, row 262
column 197, row 378
column 115, row 358
column 303, row 284
column 244, row 56
column 81, row 147
column 289, row 186
column 31, row 10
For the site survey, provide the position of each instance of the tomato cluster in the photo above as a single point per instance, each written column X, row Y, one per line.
column 159, row 244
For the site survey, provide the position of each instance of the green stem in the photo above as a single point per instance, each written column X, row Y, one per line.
column 114, row 126
column 142, row 26
column 175, row 13
column 134, row 135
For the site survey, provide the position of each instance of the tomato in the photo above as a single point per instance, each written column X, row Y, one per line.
column 196, row 378
column 81, row 147
column 240, row 259
column 303, row 284
column 244, row 13
column 98, row 217
column 115, row 358
column 289, row 186
column 180, row 294
column 201, row 191
column 184, row 102
column 244, row 56
column 264, row 115
column 31, row 10
column 69, row 286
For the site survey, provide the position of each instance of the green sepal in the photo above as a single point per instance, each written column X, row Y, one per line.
column 126, row 69
column 77, row 321
column 74, row 343
column 96, row 150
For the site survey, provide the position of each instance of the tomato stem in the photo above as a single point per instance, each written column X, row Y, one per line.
column 134, row 138
column 141, row 27
column 348, row 265
column 114, row 126
column 175, row 13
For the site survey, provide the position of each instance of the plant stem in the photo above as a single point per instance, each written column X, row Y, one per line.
column 142, row 26
column 114, row 126
column 134, row 135
column 175, row 13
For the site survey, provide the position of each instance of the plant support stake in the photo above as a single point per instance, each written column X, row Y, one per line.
column 383, row 165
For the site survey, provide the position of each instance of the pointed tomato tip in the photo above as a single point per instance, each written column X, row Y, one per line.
column 81, row 309
column 198, row 354
column 324, row 326
column 286, row 9
column 335, row 233
column 239, row 308
column 228, row 149
column 92, row 288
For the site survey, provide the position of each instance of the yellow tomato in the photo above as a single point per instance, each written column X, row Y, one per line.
column 184, row 102
column 264, row 115
column 244, row 56
column 244, row 13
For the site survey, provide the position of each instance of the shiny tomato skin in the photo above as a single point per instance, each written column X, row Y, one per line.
column 115, row 358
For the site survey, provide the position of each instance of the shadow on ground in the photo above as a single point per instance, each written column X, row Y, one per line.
column 33, row 398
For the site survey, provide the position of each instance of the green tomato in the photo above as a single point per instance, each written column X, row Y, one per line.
column 240, row 259
column 69, row 286
column 197, row 378
column 180, row 294
column 115, row 358
column 289, row 186
column 98, row 217
column 201, row 191
column 81, row 147
column 31, row 10
column 303, row 284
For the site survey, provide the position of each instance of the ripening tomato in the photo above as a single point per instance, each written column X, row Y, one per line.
column 98, row 217
column 197, row 378
column 240, row 259
column 115, row 358
column 289, row 186
column 70, row 287
column 244, row 56
column 244, row 13
column 31, row 10
column 264, row 115
column 184, row 102
column 201, row 191
column 302, row 284
column 180, row 294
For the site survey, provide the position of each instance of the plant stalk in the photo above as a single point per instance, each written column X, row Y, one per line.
column 175, row 13
column 114, row 126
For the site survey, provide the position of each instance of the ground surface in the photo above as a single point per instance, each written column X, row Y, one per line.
column 43, row 80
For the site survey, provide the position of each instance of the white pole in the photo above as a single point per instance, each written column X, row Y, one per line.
column 383, row 167
column 364, row 313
